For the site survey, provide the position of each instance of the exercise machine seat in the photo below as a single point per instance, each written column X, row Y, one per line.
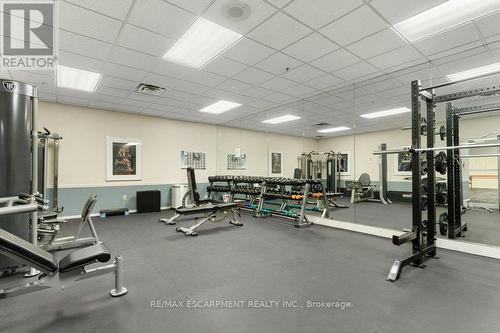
column 85, row 256
column 364, row 180
column 205, row 208
column 19, row 249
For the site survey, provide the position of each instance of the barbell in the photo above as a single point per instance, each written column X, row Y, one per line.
column 420, row 150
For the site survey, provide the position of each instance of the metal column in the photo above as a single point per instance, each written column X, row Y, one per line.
column 431, row 175
column 450, row 162
column 416, row 121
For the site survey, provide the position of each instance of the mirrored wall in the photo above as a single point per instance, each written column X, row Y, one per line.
column 332, row 137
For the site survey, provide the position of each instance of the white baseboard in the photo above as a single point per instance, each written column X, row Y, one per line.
column 483, row 250
column 131, row 211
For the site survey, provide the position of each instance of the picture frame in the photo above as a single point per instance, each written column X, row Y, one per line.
column 398, row 159
column 275, row 163
column 345, row 161
column 123, row 159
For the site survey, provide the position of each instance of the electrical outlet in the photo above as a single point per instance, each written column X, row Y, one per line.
column 124, row 197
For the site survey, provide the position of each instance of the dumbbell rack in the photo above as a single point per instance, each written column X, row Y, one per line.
column 286, row 194
column 248, row 189
column 215, row 185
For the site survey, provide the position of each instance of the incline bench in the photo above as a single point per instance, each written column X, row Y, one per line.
column 214, row 211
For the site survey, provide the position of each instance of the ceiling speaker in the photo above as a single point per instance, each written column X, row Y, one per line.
column 236, row 11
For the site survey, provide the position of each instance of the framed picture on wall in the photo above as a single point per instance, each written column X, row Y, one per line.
column 345, row 163
column 402, row 164
column 123, row 159
column 275, row 164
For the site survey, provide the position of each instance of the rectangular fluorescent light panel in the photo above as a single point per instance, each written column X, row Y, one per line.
column 282, row 119
column 220, row 106
column 385, row 113
column 474, row 72
column 333, row 129
column 445, row 16
column 78, row 79
column 201, row 43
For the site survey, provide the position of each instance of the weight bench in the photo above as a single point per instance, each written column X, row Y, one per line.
column 213, row 212
column 195, row 199
column 363, row 189
column 54, row 273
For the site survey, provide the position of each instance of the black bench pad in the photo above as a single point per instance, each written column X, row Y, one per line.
column 205, row 208
column 85, row 256
column 25, row 252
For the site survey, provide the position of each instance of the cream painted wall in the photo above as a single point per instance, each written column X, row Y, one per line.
column 83, row 148
column 258, row 146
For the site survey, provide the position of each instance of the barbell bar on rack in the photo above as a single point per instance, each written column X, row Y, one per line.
column 418, row 150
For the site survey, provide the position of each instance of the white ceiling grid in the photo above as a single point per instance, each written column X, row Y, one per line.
column 292, row 49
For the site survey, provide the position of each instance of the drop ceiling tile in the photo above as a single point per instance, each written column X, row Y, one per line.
column 72, row 100
column 259, row 12
column 277, row 63
column 335, row 60
column 126, row 57
column 195, row 6
column 218, row 93
column 101, row 105
column 113, row 92
column 224, row 66
column 133, row 102
column 279, row 3
column 396, row 11
column 396, row 57
column 354, row 26
column 324, row 81
column 115, row 8
column 299, row 90
column 278, row 98
column 467, row 63
column 257, row 92
column 80, row 62
column 153, row 113
column 489, row 25
column 321, row 12
column 76, row 19
column 129, row 108
column 173, row 70
column 248, row 52
column 234, row 85
column 253, row 76
column 112, row 82
column 310, row 47
column 279, row 31
column 161, row 17
column 383, row 41
column 278, row 83
column 448, row 40
column 303, row 73
column 144, row 41
column 142, row 97
column 88, row 47
column 123, row 72
column 355, row 71
column 189, row 87
column 204, row 78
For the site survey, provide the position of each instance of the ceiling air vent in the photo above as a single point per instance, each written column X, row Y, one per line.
column 149, row 89
column 323, row 124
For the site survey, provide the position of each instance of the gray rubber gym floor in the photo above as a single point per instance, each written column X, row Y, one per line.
column 263, row 260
